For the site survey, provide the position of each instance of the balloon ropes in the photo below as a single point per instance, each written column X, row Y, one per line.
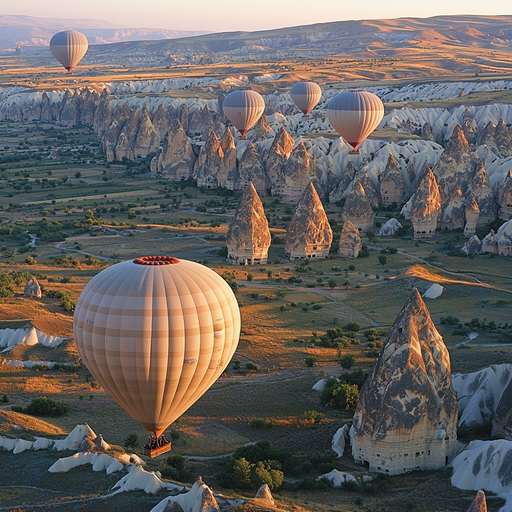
column 243, row 108
column 354, row 115
column 68, row 48
column 156, row 332
column 306, row 96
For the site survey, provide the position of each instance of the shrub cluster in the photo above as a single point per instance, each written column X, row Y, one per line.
column 43, row 406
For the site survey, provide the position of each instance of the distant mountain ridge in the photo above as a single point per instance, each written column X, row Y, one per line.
column 34, row 31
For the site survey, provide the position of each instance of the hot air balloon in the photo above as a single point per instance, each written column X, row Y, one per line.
column 306, row 95
column 156, row 332
column 354, row 115
column 243, row 108
column 68, row 47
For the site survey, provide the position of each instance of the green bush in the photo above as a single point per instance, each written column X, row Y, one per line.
column 170, row 473
column 4, row 399
column 310, row 361
column 132, row 441
column 317, row 306
column 261, row 423
column 314, row 416
column 252, row 366
column 176, row 461
column 340, row 395
column 44, row 406
column 352, row 326
column 350, row 486
column 347, row 361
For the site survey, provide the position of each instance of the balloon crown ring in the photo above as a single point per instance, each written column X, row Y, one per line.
column 156, row 260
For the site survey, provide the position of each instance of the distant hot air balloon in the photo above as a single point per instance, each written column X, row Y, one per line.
column 68, row 48
column 306, row 95
column 243, row 108
column 156, row 332
column 354, row 115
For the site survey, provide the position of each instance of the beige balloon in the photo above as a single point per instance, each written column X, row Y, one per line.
column 156, row 333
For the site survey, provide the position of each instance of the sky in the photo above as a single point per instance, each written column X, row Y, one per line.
column 229, row 15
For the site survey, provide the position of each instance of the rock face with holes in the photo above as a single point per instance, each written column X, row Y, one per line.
column 248, row 237
column 358, row 209
column 309, row 233
column 350, row 241
column 391, row 185
column 406, row 418
column 500, row 242
column 424, row 207
column 504, row 197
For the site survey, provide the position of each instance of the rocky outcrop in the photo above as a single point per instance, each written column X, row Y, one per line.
column 501, row 242
column 391, row 185
column 208, row 162
column 358, row 209
column 504, row 197
column 472, row 246
column 453, row 215
column 424, row 207
column 372, row 194
column 103, row 115
column 406, row 418
column 250, row 169
column 126, row 141
column 426, row 132
column 389, row 228
column 160, row 121
column 111, row 135
column 480, row 188
column 479, row 504
column 261, row 129
column 469, row 132
column 88, row 102
column 46, row 114
column 503, row 139
column 502, row 418
column 265, row 494
column 176, row 159
column 350, row 241
column 148, row 137
column 295, row 175
column 70, row 114
column 248, row 237
column 338, row 192
column 54, row 154
column 486, row 135
column 472, row 214
column 227, row 175
column 32, row 289
column 278, row 154
column 309, row 233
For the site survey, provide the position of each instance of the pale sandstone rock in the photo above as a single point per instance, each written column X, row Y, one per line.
column 479, row 504
column 389, row 228
column 472, row 246
column 350, row 241
column 261, row 129
column 250, row 169
column 469, row 132
column 501, row 242
column 406, row 418
column 472, row 214
column 148, row 137
column 278, row 154
column 248, row 237
column 265, row 494
column 480, row 188
column 227, row 175
column 358, row 209
column 372, row 194
column 32, row 289
column 103, row 115
column 502, row 418
column 309, row 233
column 391, row 185
column 208, row 162
column 503, row 138
column 486, row 135
column 160, row 121
column 339, row 191
column 54, row 154
column 453, row 215
column 426, row 132
column 126, row 141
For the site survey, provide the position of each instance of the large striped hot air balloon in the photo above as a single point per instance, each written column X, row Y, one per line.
column 156, row 332
column 306, row 96
column 243, row 108
column 68, row 47
column 354, row 115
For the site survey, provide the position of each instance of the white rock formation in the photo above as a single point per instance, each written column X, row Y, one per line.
column 338, row 477
column 147, row 481
column 478, row 393
column 501, row 242
column 434, row 291
column 472, row 246
column 98, row 461
column 389, row 228
column 198, row 499
column 264, row 493
column 340, row 439
column 10, row 338
column 32, row 289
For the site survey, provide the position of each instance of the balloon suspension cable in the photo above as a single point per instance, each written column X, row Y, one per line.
column 156, row 445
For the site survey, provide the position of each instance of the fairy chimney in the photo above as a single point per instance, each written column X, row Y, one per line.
column 350, row 241
column 358, row 209
column 391, row 185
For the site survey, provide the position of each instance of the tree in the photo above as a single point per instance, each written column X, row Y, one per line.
column 382, row 259
column 332, row 284
column 78, row 174
column 30, row 260
column 310, row 361
column 371, row 235
column 250, row 276
column 242, row 473
column 132, row 441
column 347, row 361
column 345, row 396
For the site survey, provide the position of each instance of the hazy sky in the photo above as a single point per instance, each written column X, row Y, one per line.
column 243, row 15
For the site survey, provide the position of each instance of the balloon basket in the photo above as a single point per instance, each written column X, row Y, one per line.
column 305, row 115
column 156, row 445
column 354, row 152
column 242, row 137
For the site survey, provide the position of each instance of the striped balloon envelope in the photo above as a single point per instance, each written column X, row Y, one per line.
column 306, row 96
column 243, row 108
column 354, row 115
column 156, row 332
column 69, row 47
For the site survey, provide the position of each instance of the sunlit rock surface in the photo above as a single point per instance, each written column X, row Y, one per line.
column 350, row 241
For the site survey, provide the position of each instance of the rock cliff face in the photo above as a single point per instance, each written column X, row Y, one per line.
column 248, row 236
column 453, row 215
column 503, row 139
column 103, row 115
column 479, row 187
column 426, row 132
column 32, row 289
column 424, row 207
column 160, row 121
column 227, row 176
column 350, row 241
column 469, row 132
column 250, row 169
column 406, row 417
column 504, row 197
column 261, row 129
column 176, row 159
column 295, row 175
column 208, row 162
column 358, row 209
column 472, row 246
column 472, row 214
column 486, row 136
column 309, row 233
column 112, row 133
column 372, row 194
column 278, row 154
column 389, row 228
column 338, row 191
column 391, row 185
column 148, row 137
